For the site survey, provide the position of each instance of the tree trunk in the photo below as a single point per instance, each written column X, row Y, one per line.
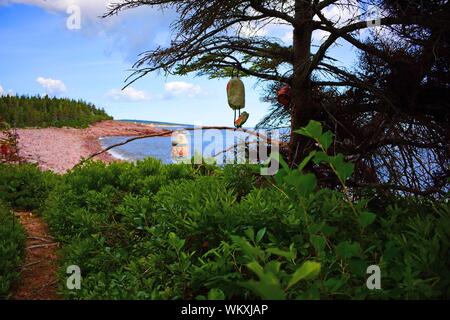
column 302, row 110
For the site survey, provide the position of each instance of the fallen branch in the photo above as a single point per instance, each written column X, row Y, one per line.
column 49, row 284
column 41, row 239
column 164, row 134
column 25, row 267
column 245, row 144
column 42, row 245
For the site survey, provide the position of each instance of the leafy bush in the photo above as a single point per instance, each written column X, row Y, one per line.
column 240, row 178
column 24, row 186
column 149, row 231
column 12, row 241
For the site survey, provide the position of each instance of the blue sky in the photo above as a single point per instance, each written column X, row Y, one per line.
column 39, row 55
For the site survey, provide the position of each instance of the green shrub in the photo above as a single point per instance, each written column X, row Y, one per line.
column 90, row 197
column 24, row 186
column 12, row 241
column 148, row 231
column 193, row 237
column 240, row 178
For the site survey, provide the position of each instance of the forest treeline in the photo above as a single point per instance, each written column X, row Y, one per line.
column 37, row 111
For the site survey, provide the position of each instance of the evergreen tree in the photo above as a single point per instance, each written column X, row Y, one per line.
column 208, row 40
column 24, row 111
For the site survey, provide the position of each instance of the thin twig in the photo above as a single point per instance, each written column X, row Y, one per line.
column 46, row 285
column 42, row 245
column 25, row 267
column 41, row 239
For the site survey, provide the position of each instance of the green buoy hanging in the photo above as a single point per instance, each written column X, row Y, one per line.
column 236, row 100
column 236, row 94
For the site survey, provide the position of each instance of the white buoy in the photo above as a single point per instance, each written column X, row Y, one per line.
column 180, row 148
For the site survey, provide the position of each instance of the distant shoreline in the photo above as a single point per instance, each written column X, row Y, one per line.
column 60, row 149
column 157, row 123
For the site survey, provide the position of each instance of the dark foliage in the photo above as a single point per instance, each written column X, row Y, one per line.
column 24, row 186
column 12, row 242
column 24, row 111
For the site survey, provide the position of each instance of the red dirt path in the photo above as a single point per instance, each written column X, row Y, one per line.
column 38, row 279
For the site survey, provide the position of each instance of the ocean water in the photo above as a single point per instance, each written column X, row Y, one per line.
column 208, row 142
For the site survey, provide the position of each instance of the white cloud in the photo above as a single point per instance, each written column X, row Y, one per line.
column 320, row 36
column 252, row 30
column 175, row 89
column 128, row 94
column 52, row 86
column 342, row 12
column 3, row 92
column 89, row 7
column 182, row 89
column 153, row 25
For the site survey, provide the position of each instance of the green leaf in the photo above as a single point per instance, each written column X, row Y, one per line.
column 273, row 267
column 305, row 184
column 305, row 161
column 260, row 234
column 216, row 294
column 344, row 169
column 334, row 284
column 250, row 233
column 391, row 251
column 176, row 242
column 326, row 140
column 283, row 163
column 308, row 270
column 328, row 230
column 318, row 242
column 267, row 288
column 279, row 177
column 312, row 130
column 366, row 219
column 256, row 268
column 348, row 250
column 321, row 157
column 247, row 248
column 290, row 255
column 315, row 227
column 358, row 266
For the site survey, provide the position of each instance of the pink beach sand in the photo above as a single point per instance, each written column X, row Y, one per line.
column 60, row 149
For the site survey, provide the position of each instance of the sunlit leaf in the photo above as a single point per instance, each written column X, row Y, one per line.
column 366, row 219
column 312, row 130
column 308, row 270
